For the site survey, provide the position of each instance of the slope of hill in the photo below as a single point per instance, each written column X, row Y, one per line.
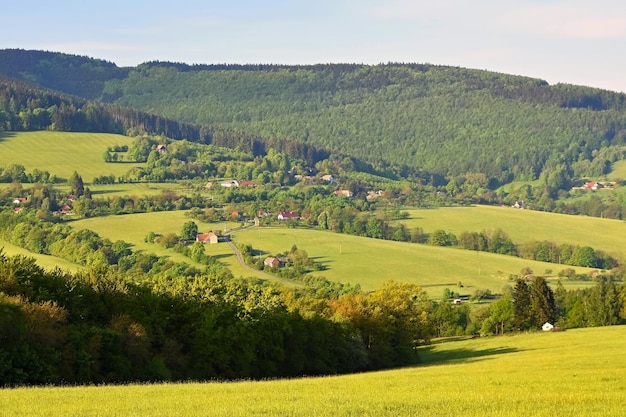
column 443, row 120
column 577, row 372
column 72, row 74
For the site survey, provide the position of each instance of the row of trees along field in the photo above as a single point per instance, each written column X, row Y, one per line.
column 99, row 326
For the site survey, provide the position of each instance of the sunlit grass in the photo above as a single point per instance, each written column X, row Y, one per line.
column 62, row 153
column 526, row 226
column 572, row 373
column 45, row 261
column 348, row 259
column 133, row 228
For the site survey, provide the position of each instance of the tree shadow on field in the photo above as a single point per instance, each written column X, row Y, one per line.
column 6, row 135
column 430, row 357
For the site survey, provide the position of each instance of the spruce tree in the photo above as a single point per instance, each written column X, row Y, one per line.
column 541, row 302
column 521, row 305
column 76, row 182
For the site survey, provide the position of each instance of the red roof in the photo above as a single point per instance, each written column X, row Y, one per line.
column 206, row 237
column 288, row 215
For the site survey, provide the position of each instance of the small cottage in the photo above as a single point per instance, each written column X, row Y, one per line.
column 286, row 215
column 207, row 238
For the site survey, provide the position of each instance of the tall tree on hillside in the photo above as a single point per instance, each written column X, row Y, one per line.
column 190, row 231
column 541, row 302
column 76, row 182
column 521, row 304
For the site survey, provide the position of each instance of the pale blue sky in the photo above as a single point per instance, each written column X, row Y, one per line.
column 573, row 41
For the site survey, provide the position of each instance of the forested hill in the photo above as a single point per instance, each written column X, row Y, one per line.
column 24, row 107
column 444, row 120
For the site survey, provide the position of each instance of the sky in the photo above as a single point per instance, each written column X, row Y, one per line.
column 568, row 41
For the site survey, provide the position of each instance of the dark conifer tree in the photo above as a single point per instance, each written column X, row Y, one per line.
column 541, row 302
column 76, row 182
column 521, row 305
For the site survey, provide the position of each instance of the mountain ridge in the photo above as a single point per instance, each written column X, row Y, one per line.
column 446, row 120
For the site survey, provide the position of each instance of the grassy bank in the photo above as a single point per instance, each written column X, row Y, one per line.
column 577, row 372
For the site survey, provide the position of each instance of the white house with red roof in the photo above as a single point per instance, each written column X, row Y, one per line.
column 286, row 215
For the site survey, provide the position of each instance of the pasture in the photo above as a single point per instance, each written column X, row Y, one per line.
column 371, row 262
column 47, row 262
column 62, row 153
column 573, row 373
column 522, row 226
column 133, row 228
column 348, row 259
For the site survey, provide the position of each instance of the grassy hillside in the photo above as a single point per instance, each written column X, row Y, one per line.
column 371, row 262
column 133, row 228
column 45, row 261
column 62, row 153
column 349, row 259
column 526, row 225
column 578, row 372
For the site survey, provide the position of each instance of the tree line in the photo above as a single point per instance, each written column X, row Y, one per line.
column 99, row 326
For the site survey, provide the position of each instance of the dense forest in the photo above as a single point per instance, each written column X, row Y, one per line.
column 436, row 119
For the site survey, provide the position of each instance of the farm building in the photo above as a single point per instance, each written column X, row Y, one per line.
column 207, row 238
column 286, row 215
column 274, row 262
column 230, row 183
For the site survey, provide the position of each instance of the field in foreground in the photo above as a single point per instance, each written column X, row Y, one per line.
column 572, row 373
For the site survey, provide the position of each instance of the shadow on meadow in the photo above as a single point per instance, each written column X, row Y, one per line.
column 429, row 356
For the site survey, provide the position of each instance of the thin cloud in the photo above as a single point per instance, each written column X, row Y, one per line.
column 568, row 21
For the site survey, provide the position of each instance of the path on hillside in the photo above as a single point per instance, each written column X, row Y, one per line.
column 256, row 271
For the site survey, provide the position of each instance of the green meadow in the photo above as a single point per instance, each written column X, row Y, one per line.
column 574, row 373
column 133, row 228
column 348, row 259
column 45, row 261
column 62, row 153
column 371, row 262
column 618, row 171
column 522, row 226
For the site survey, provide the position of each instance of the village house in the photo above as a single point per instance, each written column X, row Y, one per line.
column 373, row 195
column 20, row 200
column 161, row 148
column 230, row 183
column 328, row 178
column 247, row 184
column 274, row 262
column 271, row 262
column 345, row 193
column 593, row 186
column 286, row 215
column 65, row 210
column 207, row 238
